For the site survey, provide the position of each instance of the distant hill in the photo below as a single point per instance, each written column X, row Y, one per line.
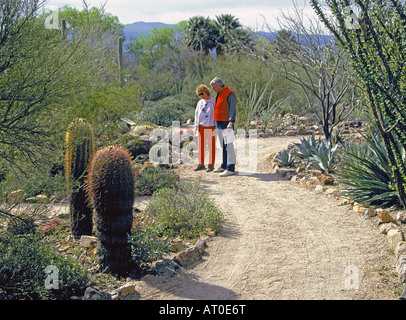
column 135, row 29
column 132, row 30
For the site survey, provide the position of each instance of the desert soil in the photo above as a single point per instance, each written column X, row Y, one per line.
column 280, row 241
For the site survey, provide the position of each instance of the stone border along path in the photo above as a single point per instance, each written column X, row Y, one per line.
column 279, row 241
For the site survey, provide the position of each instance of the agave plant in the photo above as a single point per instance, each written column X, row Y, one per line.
column 366, row 172
column 306, row 147
column 285, row 159
column 320, row 153
column 323, row 157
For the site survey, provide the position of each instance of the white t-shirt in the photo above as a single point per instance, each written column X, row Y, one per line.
column 204, row 114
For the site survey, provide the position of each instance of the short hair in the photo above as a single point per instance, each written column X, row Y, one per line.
column 217, row 80
column 203, row 88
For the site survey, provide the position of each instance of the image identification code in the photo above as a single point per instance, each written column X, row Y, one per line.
column 208, row 309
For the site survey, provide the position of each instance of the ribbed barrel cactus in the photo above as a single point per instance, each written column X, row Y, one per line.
column 79, row 143
column 110, row 189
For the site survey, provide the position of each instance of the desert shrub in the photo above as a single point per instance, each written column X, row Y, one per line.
column 35, row 180
column 146, row 246
column 154, row 178
column 184, row 210
column 169, row 109
column 23, row 261
column 366, row 172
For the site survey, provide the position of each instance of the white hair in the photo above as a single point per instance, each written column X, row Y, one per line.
column 217, row 80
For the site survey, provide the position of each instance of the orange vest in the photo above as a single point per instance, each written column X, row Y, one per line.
column 221, row 106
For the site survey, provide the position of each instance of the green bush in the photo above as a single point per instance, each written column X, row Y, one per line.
column 154, row 178
column 184, row 211
column 169, row 109
column 23, row 261
column 365, row 170
column 146, row 246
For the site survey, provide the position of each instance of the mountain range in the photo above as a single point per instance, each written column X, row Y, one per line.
column 135, row 29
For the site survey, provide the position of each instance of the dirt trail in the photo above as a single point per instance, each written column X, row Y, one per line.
column 279, row 241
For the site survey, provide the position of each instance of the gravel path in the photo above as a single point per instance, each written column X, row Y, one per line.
column 279, row 241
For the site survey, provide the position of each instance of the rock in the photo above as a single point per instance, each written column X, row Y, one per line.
column 123, row 291
column 385, row 227
column 176, row 244
column 394, row 236
column 290, row 133
column 41, row 198
column 300, row 169
column 331, row 191
column 369, row 213
column 326, row 179
column 201, row 245
column 303, row 119
column 403, row 296
column 139, row 131
column 385, row 217
column 319, row 189
column 93, row 294
column 401, row 268
column 400, row 249
column 283, row 173
column 188, row 257
column 31, row 200
column 167, row 267
column 401, row 216
column 88, row 241
column 302, row 131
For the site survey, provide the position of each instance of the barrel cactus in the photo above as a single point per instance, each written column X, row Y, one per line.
column 110, row 189
column 79, row 143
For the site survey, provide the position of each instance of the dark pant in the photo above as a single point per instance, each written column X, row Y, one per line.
column 228, row 161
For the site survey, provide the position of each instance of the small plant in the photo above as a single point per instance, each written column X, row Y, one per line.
column 146, row 246
column 80, row 147
column 285, row 159
column 184, row 211
column 110, row 189
column 154, row 178
column 23, row 261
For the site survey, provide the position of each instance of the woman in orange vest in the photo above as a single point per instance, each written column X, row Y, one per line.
column 225, row 111
column 205, row 127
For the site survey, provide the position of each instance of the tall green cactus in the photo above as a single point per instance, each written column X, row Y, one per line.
column 110, row 189
column 79, row 143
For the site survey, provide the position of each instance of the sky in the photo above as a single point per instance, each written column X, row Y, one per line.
column 251, row 13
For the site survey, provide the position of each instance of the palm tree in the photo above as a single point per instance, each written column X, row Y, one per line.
column 231, row 35
column 200, row 34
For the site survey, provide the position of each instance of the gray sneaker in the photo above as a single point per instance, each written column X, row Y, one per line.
column 220, row 169
column 227, row 173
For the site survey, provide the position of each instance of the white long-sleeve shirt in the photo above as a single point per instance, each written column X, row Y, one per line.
column 204, row 113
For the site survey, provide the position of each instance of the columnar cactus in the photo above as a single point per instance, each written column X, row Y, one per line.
column 79, row 143
column 110, row 189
